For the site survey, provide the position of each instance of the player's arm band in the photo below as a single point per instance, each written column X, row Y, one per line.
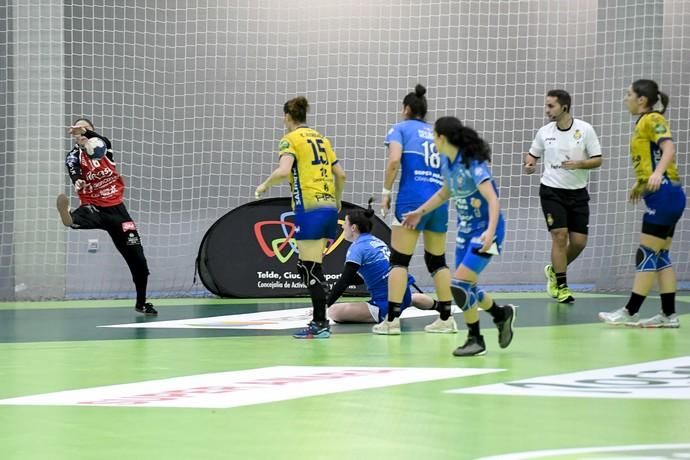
column 348, row 277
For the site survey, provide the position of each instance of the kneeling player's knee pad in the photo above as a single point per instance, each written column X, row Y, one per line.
column 645, row 259
column 663, row 260
column 464, row 293
column 434, row 263
column 398, row 259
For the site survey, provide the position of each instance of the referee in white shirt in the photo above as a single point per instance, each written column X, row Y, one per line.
column 570, row 148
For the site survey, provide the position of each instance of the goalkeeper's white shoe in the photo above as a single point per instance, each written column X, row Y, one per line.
column 440, row 326
column 660, row 321
column 620, row 317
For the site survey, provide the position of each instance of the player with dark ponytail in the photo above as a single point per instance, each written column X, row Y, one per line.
column 658, row 184
column 367, row 262
column 411, row 150
column 481, row 227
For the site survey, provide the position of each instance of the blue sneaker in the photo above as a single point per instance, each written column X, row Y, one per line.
column 314, row 330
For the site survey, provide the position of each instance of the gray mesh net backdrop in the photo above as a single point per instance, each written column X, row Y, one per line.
column 191, row 94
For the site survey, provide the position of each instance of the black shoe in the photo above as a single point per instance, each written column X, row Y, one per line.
column 146, row 309
column 473, row 347
column 505, row 326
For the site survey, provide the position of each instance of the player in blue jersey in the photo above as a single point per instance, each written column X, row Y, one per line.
column 411, row 150
column 481, row 227
column 367, row 261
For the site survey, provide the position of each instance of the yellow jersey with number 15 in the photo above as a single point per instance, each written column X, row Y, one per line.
column 650, row 130
column 311, row 178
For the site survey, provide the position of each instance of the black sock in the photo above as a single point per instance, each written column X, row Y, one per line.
column 443, row 309
column 474, row 329
column 634, row 303
column 496, row 312
column 668, row 303
column 140, row 283
column 393, row 310
column 561, row 279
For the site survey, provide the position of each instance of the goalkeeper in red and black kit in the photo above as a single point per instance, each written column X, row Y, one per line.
column 100, row 188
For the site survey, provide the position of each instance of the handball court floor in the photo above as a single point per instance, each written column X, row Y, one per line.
column 223, row 379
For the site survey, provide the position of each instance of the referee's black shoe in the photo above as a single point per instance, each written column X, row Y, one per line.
column 146, row 309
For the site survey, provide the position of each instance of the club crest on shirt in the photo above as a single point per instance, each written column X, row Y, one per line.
column 476, row 203
column 578, row 135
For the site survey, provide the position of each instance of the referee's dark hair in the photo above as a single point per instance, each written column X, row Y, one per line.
column 562, row 96
column 362, row 218
column 416, row 101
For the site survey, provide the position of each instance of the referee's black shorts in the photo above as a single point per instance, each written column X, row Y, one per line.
column 564, row 208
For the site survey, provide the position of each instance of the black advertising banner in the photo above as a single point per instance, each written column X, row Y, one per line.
column 251, row 252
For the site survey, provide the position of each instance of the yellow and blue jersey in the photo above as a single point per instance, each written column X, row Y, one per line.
column 651, row 130
column 311, row 178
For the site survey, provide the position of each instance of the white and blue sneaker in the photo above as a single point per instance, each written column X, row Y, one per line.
column 314, row 330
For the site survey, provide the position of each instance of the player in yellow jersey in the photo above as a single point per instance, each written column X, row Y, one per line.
column 658, row 184
column 317, row 182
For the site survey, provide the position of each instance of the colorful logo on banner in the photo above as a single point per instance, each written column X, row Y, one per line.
column 284, row 247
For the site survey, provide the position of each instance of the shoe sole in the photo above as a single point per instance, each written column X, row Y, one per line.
column 512, row 321
column 658, row 326
column 386, row 332
column 570, row 299
column 441, row 332
column 322, row 335
column 62, row 205
column 481, row 353
column 147, row 313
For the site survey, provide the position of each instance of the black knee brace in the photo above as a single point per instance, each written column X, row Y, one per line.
column 434, row 263
column 398, row 259
column 311, row 273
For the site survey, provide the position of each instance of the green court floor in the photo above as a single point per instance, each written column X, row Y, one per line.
column 342, row 398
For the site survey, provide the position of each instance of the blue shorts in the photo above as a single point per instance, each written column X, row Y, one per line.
column 435, row 221
column 316, row 224
column 665, row 206
column 467, row 245
column 381, row 303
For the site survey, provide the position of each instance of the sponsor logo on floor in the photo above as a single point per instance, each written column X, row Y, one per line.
column 243, row 388
column 667, row 379
column 648, row 452
column 264, row 320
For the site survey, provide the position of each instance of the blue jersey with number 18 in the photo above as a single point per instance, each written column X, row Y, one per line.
column 420, row 175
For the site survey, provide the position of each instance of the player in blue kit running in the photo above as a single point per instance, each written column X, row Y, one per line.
column 411, row 150
column 367, row 261
column 481, row 227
